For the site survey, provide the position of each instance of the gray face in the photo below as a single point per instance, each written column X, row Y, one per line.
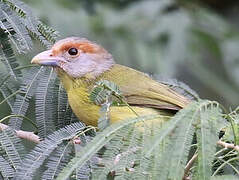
column 77, row 57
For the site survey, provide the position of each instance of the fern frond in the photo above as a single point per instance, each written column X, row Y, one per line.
column 169, row 126
column 148, row 166
column 10, row 96
column 63, row 114
column 130, row 162
column 42, row 151
column 57, row 89
column 5, row 93
column 117, row 148
column 235, row 115
column 45, row 103
column 207, row 136
column 15, row 7
column 231, row 131
column 129, row 156
column 12, row 146
column 6, row 170
column 13, row 25
column 7, row 90
column 85, row 171
column 71, row 117
column 58, row 159
column 47, row 32
column 33, row 26
column 178, row 144
column 124, row 156
column 176, row 153
column 22, row 101
column 7, row 56
column 97, row 143
column 233, row 118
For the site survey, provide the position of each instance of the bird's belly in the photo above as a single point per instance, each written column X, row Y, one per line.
column 119, row 113
column 89, row 113
column 84, row 109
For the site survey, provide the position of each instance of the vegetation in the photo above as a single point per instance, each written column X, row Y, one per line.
column 172, row 37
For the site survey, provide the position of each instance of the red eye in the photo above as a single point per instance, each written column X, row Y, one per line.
column 73, row 51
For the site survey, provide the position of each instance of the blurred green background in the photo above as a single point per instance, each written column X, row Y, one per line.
column 196, row 41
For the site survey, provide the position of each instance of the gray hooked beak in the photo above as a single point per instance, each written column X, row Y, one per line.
column 46, row 58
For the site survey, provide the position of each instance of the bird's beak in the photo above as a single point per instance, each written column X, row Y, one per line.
column 46, row 58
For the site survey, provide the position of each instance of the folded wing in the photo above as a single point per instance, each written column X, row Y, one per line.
column 141, row 90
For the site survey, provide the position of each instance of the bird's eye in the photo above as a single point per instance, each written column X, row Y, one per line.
column 73, row 51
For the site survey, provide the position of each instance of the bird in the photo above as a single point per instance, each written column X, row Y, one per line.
column 80, row 63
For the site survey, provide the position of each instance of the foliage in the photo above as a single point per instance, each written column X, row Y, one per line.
column 139, row 148
column 174, row 38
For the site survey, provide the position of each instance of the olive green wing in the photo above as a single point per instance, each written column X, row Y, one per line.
column 141, row 90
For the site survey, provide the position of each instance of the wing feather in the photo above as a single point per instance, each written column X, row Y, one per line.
column 141, row 90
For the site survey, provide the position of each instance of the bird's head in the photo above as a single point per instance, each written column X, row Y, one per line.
column 77, row 57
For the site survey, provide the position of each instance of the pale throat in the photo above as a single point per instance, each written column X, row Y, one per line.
column 89, row 65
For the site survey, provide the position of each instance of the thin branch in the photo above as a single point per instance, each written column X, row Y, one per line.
column 193, row 159
column 228, row 145
column 188, row 166
column 30, row 136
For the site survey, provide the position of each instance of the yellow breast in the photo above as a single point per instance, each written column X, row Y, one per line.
column 81, row 105
column 89, row 113
column 78, row 92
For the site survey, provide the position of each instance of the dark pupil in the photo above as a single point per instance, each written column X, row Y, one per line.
column 73, row 51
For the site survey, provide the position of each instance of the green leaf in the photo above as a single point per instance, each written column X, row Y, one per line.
column 42, row 151
column 207, row 136
column 183, row 116
column 45, row 104
column 180, row 140
column 97, row 143
column 13, row 147
column 6, row 169
column 15, row 28
column 22, row 101
column 7, row 56
column 58, row 159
